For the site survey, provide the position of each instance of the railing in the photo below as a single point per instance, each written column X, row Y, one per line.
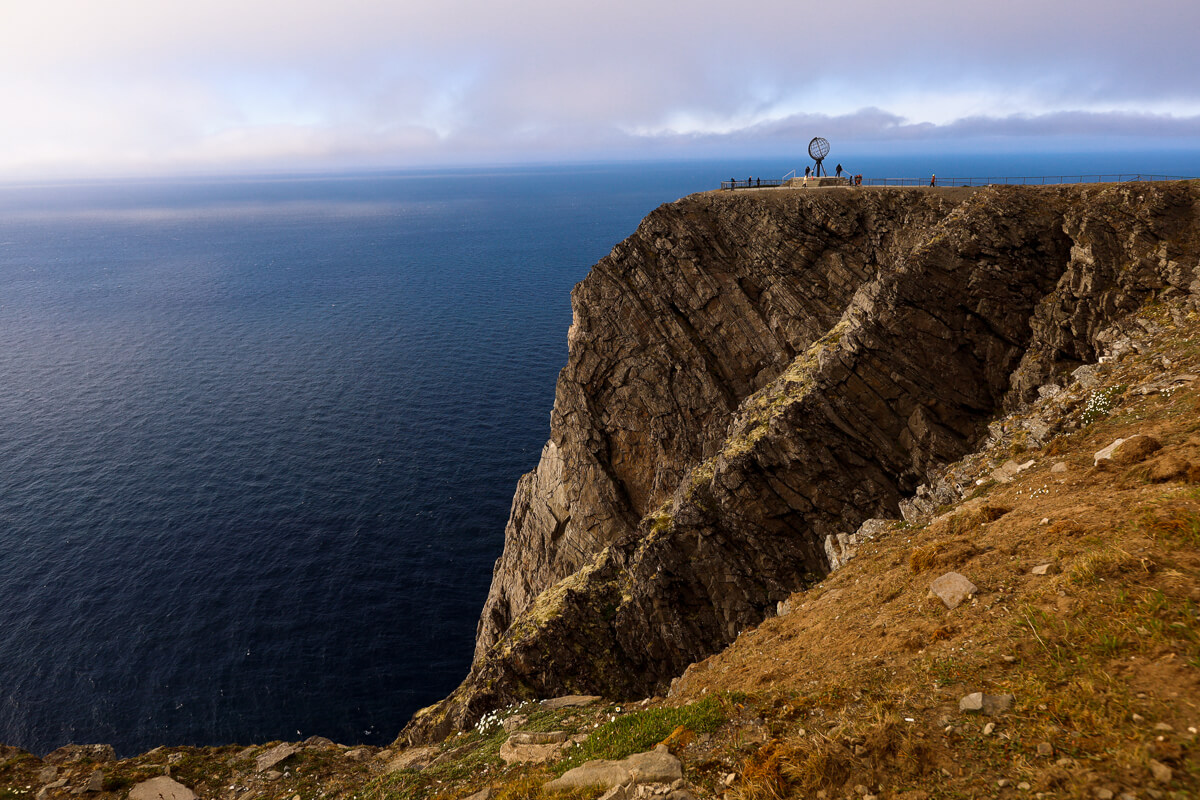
column 1038, row 180
column 752, row 183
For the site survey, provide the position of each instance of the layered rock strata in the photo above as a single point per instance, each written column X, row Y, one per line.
column 752, row 373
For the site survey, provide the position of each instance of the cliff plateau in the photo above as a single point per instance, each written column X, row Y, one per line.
column 752, row 374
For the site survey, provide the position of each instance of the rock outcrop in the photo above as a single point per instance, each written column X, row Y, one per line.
column 707, row 303
column 752, row 374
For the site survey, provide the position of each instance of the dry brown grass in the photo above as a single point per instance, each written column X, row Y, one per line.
column 1108, row 562
column 967, row 519
column 1177, row 522
column 1114, row 632
column 942, row 554
column 1064, row 527
column 762, row 778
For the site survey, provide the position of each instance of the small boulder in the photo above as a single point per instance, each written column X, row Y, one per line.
column 1161, row 772
column 953, row 588
column 989, row 704
column 74, row 753
column 319, row 743
column 874, row 527
column 514, row 722
column 275, row 755
column 482, row 794
column 161, row 788
column 538, row 737
column 570, row 701
column 1009, row 470
column 1106, row 453
column 95, row 782
column 1042, row 569
column 1134, row 449
column 655, row 766
column 1059, row 466
column 1088, row 376
column 513, row 753
column 412, row 758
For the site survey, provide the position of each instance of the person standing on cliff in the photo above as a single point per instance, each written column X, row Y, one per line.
column 839, row 170
column 933, row 180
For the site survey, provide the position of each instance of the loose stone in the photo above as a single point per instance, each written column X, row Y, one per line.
column 953, row 588
column 1161, row 772
column 161, row 788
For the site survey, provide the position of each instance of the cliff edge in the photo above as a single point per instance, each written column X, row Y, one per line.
column 752, row 374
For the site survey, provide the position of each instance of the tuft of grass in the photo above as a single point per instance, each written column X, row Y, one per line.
column 1064, row 527
column 530, row 786
column 1096, row 566
column 949, row 670
column 923, row 558
column 972, row 517
column 814, row 762
column 762, row 775
column 1176, row 522
column 949, row 554
column 526, row 787
column 1109, row 645
column 639, row 731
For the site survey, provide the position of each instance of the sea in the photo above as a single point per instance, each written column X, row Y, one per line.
column 259, row 434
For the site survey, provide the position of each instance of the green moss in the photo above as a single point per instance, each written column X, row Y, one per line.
column 549, row 603
column 638, row 731
column 793, row 385
column 661, row 521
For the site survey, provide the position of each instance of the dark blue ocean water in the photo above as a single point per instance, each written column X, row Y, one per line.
column 259, row 436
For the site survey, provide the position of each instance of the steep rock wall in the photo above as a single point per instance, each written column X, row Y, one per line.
column 750, row 373
column 708, row 301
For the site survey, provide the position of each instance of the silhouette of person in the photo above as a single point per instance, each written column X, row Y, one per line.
column 839, row 170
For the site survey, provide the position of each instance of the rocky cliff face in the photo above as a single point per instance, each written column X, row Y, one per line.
column 751, row 373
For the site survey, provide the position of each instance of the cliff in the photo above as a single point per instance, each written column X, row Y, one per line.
column 752, row 374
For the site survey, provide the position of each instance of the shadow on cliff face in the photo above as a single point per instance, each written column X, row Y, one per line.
column 751, row 374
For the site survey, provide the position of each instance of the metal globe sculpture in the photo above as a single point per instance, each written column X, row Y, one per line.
column 818, row 148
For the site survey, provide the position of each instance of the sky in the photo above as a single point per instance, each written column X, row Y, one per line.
column 168, row 86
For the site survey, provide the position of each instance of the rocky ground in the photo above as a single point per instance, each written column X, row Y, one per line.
column 1061, row 659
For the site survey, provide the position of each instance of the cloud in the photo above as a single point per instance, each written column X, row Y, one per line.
column 140, row 85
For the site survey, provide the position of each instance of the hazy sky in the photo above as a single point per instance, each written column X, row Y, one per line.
column 168, row 85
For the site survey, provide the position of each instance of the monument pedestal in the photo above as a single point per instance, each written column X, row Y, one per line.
column 824, row 180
